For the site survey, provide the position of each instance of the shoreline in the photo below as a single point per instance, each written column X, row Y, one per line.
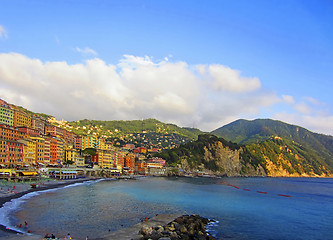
column 23, row 189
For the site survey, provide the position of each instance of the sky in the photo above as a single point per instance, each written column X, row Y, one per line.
column 194, row 63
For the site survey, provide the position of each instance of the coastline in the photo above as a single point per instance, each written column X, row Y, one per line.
column 122, row 234
column 133, row 232
column 22, row 189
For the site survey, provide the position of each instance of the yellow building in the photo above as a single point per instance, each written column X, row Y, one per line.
column 39, row 152
column 109, row 146
column 60, row 150
column 2, row 152
column 89, row 141
column 6, row 114
column 73, row 155
column 79, row 161
column 101, row 144
column 105, row 159
column 29, row 151
column 21, row 119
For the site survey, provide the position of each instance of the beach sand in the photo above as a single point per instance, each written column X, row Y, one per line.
column 133, row 232
column 7, row 193
column 13, row 190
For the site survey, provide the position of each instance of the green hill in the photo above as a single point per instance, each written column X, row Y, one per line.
column 134, row 126
column 315, row 147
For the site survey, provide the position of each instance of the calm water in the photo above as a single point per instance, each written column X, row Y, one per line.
column 94, row 208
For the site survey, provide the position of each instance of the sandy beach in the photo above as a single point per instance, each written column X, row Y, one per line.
column 9, row 192
column 133, row 232
column 13, row 190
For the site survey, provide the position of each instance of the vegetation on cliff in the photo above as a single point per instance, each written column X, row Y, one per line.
column 273, row 157
column 283, row 157
column 315, row 149
column 213, row 154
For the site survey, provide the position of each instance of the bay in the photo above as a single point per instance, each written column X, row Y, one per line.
column 244, row 208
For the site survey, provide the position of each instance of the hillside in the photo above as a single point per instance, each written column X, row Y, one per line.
column 282, row 157
column 274, row 157
column 214, row 155
column 146, row 133
column 314, row 146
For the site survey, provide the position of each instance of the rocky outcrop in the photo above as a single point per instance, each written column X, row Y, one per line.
column 183, row 227
column 226, row 160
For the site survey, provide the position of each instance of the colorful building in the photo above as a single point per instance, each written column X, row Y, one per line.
column 6, row 114
column 38, row 123
column 47, row 150
column 29, row 131
column 105, row 159
column 54, row 130
column 78, row 142
column 89, row 141
column 21, row 119
column 2, row 152
column 11, row 133
column 118, row 158
column 72, row 155
column 39, row 152
column 14, row 153
column 129, row 161
column 29, row 151
column 157, row 160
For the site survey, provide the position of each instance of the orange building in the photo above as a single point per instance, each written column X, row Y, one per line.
column 47, row 150
column 53, row 130
column 21, row 119
column 29, row 131
column 13, row 153
column 2, row 152
column 39, row 153
column 129, row 161
column 141, row 168
column 118, row 160
column 53, row 151
column 69, row 137
column 10, row 133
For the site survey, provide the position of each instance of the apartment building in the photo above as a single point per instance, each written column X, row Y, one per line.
column 38, row 124
column 21, row 119
column 39, row 152
column 11, row 133
column 129, row 161
column 89, row 141
column 6, row 114
column 29, row 151
column 13, row 153
column 78, row 142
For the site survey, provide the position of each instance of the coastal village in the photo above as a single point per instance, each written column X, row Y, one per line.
column 32, row 146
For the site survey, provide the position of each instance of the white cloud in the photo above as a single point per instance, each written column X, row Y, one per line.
column 3, row 32
column 303, row 108
column 316, row 123
column 207, row 96
column 288, row 99
column 227, row 79
column 86, row 51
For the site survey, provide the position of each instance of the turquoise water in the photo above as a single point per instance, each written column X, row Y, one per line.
column 94, row 208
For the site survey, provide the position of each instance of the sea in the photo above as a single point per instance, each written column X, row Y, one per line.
column 242, row 208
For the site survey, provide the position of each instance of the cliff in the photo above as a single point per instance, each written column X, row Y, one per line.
column 274, row 157
column 216, row 156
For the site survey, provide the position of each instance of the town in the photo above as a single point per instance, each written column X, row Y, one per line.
column 31, row 146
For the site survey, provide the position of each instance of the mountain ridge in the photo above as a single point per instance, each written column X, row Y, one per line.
column 247, row 132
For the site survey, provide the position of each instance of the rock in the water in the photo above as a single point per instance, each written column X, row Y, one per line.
column 184, row 227
column 146, row 231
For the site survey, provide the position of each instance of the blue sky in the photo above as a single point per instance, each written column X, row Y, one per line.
column 193, row 63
